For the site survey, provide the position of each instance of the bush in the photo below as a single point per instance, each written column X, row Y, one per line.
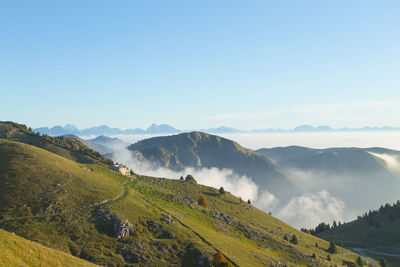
column 332, row 247
column 221, row 190
column 189, row 178
column 203, row 201
column 286, row 238
column 220, row 260
column 314, row 256
column 294, row 240
column 359, row 261
column 329, row 258
column 383, row 263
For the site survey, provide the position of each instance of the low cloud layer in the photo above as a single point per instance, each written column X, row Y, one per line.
column 303, row 211
column 312, row 208
column 392, row 162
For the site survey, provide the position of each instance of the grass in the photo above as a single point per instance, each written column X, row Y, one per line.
column 16, row 251
column 375, row 241
column 170, row 228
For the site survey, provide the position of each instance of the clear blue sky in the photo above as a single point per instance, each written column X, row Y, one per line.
column 197, row 64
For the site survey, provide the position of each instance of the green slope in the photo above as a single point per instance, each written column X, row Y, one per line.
column 16, row 251
column 199, row 150
column 70, row 148
column 80, row 209
column 376, row 233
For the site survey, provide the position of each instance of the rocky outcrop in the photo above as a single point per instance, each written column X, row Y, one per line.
column 118, row 227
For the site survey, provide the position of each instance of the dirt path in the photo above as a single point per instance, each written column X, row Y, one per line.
column 120, row 196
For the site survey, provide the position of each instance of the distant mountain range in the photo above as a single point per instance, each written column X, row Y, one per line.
column 167, row 129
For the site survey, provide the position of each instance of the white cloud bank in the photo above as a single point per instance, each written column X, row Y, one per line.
column 310, row 209
column 304, row 211
column 392, row 162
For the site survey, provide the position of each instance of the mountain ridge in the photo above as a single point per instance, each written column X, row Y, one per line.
column 168, row 129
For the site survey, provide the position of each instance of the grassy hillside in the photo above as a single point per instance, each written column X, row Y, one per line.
column 376, row 233
column 198, row 150
column 91, row 212
column 70, row 148
column 16, row 251
column 34, row 181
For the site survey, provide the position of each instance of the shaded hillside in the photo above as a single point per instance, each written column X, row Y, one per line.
column 91, row 212
column 376, row 233
column 17, row 251
column 348, row 173
column 199, row 150
column 71, row 148
column 106, row 145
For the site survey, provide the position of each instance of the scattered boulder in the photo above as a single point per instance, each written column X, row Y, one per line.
column 118, row 227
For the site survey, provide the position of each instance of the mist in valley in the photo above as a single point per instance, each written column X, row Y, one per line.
column 325, row 195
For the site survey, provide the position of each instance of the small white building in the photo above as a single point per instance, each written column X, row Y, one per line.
column 121, row 168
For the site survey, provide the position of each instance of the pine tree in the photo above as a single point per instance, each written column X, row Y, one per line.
column 221, row 190
column 332, row 247
column 248, row 201
column 383, row 263
column 286, row 238
column 329, row 258
column 294, row 240
column 359, row 261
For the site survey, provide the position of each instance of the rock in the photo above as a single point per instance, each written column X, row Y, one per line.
column 119, row 227
column 167, row 218
column 166, row 235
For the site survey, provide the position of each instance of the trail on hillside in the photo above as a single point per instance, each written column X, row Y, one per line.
column 121, row 195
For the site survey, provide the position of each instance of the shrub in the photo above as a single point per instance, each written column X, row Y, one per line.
column 203, row 201
column 383, row 263
column 314, row 256
column 286, row 238
column 329, row 257
column 316, row 245
column 220, row 260
column 189, row 178
column 332, row 247
column 221, row 190
column 294, row 240
column 359, row 261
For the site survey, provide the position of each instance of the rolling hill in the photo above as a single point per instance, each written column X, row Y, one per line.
column 376, row 234
column 71, row 148
column 91, row 212
column 17, row 251
column 201, row 150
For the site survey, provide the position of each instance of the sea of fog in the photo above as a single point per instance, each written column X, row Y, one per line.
column 317, row 204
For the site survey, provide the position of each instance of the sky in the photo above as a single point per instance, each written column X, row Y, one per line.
column 200, row 64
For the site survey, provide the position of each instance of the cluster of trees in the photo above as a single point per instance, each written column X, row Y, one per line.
column 391, row 211
column 321, row 228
